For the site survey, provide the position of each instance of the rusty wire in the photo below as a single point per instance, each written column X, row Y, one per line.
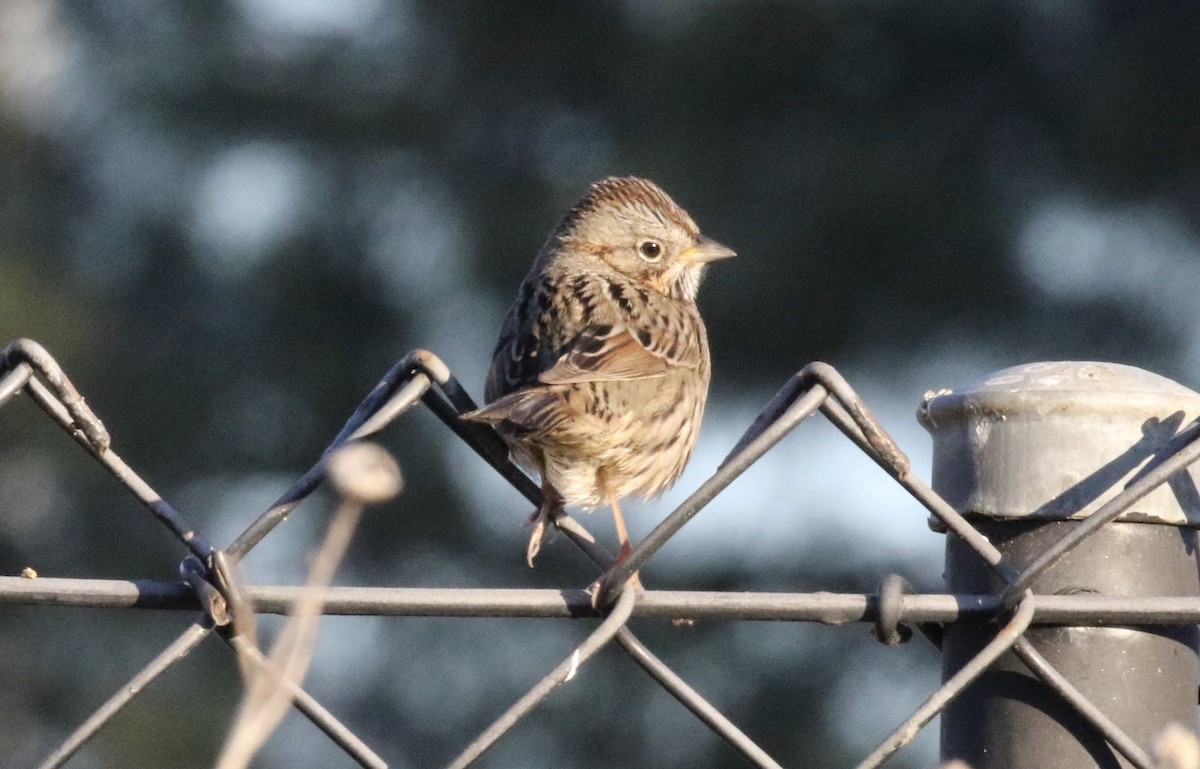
column 26, row 367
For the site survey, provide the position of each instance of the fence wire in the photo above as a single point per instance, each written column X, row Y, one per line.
column 207, row 582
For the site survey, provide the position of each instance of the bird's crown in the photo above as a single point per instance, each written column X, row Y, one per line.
column 634, row 195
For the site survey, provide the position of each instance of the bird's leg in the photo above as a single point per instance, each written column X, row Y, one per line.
column 623, row 538
column 552, row 502
column 597, row 588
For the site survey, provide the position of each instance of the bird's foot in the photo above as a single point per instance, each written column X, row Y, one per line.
column 541, row 521
column 634, row 581
column 596, row 589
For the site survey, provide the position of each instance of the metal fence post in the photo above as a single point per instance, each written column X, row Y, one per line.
column 1028, row 452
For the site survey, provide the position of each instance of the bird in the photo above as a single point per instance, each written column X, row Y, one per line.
column 600, row 376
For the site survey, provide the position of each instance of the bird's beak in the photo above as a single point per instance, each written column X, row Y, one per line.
column 705, row 251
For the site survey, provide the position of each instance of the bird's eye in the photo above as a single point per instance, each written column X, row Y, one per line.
column 650, row 250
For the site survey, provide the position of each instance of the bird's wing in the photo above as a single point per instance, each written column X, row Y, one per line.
column 537, row 409
column 631, row 334
column 514, row 363
column 598, row 354
column 611, row 353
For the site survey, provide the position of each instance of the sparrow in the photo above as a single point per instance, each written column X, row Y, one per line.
column 600, row 376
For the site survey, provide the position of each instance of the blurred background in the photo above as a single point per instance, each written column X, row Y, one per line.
column 228, row 219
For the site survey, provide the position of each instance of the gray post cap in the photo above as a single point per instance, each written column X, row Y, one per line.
column 1057, row 440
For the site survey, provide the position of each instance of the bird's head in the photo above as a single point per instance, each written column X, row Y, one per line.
column 632, row 226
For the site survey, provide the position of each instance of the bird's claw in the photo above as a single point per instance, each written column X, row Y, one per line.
column 599, row 586
column 540, row 520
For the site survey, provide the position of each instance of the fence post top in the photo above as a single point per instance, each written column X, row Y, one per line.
column 1066, row 380
column 1056, row 440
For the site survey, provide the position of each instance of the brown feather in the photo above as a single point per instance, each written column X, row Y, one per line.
column 619, row 357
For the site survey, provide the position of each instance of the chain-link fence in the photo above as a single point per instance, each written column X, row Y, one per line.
column 981, row 631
